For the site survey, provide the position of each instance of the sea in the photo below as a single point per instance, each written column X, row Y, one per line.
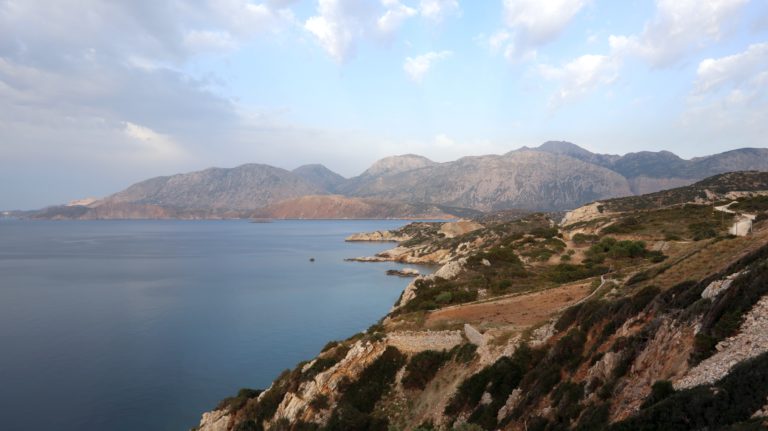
column 144, row 325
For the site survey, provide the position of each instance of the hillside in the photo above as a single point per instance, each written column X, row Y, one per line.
column 630, row 319
column 524, row 179
column 649, row 171
column 555, row 176
column 320, row 176
column 244, row 187
column 336, row 207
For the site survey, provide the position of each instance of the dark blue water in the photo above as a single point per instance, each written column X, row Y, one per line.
column 143, row 325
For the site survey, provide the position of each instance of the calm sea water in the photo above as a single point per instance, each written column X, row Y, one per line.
column 143, row 325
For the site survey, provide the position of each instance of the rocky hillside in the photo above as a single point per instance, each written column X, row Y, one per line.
column 337, row 207
column 648, row 171
column 554, row 176
column 320, row 176
column 524, row 179
column 244, row 187
column 628, row 319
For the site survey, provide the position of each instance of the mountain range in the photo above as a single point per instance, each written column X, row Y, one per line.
column 554, row 176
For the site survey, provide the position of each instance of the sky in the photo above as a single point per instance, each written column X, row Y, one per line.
column 98, row 94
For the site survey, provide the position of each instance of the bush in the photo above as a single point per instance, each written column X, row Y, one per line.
column 498, row 379
column 702, row 230
column 422, row 368
column 567, row 272
column 581, row 238
column 660, row 390
column 464, row 353
column 360, row 397
column 237, row 402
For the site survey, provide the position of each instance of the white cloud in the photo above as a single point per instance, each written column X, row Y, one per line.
column 436, row 10
column 531, row 24
column 678, row 28
column 154, row 145
column 730, row 96
column 339, row 25
column 733, row 70
column 580, row 76
column 444, row 141
column 418, row 67
column 395, row 15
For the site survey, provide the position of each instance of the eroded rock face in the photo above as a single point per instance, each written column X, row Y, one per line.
column 217, row 420
column 717, row 287
column 582, row 214
column 296, row 406
column 665, row 357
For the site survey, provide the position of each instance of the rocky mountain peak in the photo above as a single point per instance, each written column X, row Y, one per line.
column 397, row 164
column 320, row 176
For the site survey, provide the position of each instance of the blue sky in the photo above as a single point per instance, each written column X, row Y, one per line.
column 95, row 95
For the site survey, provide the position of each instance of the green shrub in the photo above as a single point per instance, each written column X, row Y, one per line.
column 464, row 353
column 360, row 397
column 567, row 272
column 581, row 238
column 702, row 230
column 498, row 379
column 237, row 402
column 422, row 368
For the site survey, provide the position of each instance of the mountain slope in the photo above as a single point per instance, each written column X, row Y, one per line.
column 525, row 179
column 337, row 207
column 244, row 187
column 320, row 176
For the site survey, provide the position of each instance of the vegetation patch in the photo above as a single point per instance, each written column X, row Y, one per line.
column 422, row 368
column 730, row 401
column 360, row 397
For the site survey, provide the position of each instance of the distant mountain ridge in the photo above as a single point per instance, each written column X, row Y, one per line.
column 557, row 175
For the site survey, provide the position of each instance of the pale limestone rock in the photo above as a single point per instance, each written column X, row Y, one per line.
column 454, row 229
column 379, row 235
column 216, row 420
column 512, row 401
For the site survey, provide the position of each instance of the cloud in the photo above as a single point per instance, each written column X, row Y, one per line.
column 395, row 15
column 339, row 25
column 731, row 71
column 157, row 145
column 678, row 28
column 417, row 67
column 437, row 10
column 580, row 76
column 532, row 24
column 728, row 100
column 444, row 141
column 729, row 97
